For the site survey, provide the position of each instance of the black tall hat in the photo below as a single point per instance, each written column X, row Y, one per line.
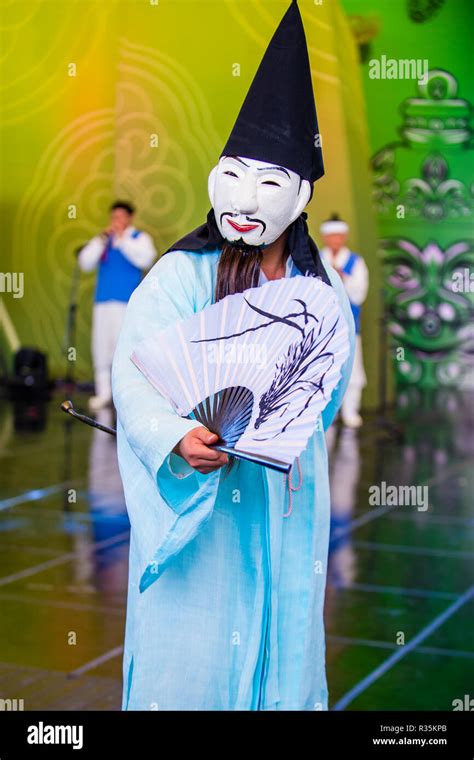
column 277, row 122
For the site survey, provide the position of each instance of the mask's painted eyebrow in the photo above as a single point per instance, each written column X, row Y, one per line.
column 273, row 169
column 236, row 158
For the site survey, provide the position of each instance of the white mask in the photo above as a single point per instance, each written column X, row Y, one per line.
column 255, row 201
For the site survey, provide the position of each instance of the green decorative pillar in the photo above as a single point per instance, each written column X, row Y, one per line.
column 424, row 201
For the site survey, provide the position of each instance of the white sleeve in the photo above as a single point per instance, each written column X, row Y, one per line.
column 140, row 250
column 91, row 253
column 357, row 283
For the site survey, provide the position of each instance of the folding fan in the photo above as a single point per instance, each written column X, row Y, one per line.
column 257, row 368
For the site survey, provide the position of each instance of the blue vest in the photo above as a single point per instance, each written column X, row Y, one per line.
column 117, row 277
column 347, row 269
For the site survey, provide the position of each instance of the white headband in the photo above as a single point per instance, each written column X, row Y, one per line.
column 335, row 227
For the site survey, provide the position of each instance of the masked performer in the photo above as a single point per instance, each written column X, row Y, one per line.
column 120, row 253
column 355, row 276
column 228, row 570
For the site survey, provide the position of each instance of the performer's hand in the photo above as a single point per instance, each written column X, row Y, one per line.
column 194, row 448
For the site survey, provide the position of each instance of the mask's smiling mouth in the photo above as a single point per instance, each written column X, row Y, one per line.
column 243, row 228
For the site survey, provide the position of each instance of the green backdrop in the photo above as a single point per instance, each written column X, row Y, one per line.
column 421, row 138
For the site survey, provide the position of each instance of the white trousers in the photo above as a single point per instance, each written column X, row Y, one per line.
column 351, row 402
column 107, row 318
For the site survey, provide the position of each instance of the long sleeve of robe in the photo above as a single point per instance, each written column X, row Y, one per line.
column 225, row 597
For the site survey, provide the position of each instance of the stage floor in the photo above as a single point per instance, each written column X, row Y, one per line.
column 400, row 598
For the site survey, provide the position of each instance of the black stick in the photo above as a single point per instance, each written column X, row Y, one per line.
column 272, row 464
column 68, row 407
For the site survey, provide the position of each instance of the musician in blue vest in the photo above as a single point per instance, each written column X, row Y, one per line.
column 353, row 271
column 119, row 254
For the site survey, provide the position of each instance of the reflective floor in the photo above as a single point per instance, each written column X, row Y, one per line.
column 400, row 599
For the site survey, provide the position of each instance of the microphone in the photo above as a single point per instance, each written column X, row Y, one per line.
column 106, row 237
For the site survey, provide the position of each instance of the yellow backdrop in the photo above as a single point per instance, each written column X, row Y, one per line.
column 135, row 98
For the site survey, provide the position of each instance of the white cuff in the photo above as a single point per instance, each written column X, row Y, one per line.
column 179, row 467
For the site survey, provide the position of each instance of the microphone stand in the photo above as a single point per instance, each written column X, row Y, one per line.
column 69, row 340
column 70, row 331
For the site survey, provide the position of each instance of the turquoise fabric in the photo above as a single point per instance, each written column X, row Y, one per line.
column 225, row 598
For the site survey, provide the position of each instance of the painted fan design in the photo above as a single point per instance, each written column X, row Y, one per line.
column 257, row 368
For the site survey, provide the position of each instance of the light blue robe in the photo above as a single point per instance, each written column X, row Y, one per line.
column 225, row 598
